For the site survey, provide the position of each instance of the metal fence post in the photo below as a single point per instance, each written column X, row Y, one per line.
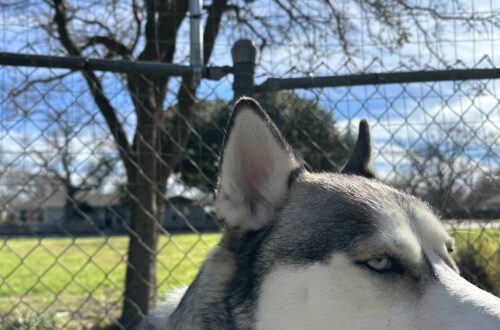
column 196, row 41
column 244, row 54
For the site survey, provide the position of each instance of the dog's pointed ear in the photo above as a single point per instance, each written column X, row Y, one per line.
column 256, row 166
column 360, row 161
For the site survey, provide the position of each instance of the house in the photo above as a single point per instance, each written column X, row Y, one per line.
column 44, row 210
column 93, row 208
column 96, row 212
column 185, row 214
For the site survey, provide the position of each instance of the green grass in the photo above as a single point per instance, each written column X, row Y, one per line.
column 486, row 241
column 78, row 283
column 82, row 279
column 478, row 256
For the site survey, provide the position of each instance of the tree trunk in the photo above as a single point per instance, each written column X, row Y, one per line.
column 147, row 183
column 140, row 279
column 69, row 204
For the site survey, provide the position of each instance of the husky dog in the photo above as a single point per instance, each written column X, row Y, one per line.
column 305, row 250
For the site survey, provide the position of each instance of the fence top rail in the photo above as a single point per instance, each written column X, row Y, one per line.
column 120, row 66
column 217, row 72
column 275, row 84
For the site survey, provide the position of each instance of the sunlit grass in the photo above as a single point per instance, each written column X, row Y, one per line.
column 478, row 252
column 81, row 279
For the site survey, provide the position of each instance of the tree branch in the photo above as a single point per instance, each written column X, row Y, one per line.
column 212, row 27
column 341, row 23
column 96, row 23
column 111, row 44
column 95, row 86
column 162, row 23
column 62, row 28
column 46, row 165
column 186, row 95
column 114, row 125
column 138, row 23
column 31, row 83
column 244, row 21
column 96, row 174
column 161, row 33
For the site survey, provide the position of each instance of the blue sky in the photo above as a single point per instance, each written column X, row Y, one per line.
column 400, row 114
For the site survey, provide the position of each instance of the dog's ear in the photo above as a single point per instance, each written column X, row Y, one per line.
column 360, row 161
column 255, row 169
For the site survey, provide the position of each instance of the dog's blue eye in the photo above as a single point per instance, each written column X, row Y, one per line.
column 380, row 264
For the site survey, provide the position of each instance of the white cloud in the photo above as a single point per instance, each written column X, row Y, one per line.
column 394, row 136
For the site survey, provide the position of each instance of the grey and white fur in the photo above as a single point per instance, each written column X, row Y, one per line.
column 304, row 250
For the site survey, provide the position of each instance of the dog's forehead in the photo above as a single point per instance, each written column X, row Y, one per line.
column 344, row 196
column 327, row 212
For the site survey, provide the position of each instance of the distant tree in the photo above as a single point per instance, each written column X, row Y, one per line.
column 486, row 187
column 440, row 170
column 22, row 185
column 61, row 157
column 307, row 127
column 62, row 165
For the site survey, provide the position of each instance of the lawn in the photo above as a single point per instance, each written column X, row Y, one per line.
column 78, row 282
column 81, row 279
column 478, row 256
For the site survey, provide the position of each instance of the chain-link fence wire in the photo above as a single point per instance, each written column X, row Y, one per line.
column 437, row 140
column 65, row 202
column 61, row 176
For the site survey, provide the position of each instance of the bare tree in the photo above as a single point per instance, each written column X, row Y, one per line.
column 483, row 199
column 441, row 167
column 149, row 158
column 75, row 176
column 21, row 185
column 150, row 32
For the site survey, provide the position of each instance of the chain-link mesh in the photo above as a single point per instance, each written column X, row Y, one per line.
column 67, row 202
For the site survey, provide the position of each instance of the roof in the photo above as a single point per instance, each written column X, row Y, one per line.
column 57, row 199
column 100, row 200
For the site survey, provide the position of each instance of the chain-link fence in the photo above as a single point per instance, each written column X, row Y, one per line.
column 98, row 157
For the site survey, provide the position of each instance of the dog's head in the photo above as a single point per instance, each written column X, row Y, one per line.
column 325, row 250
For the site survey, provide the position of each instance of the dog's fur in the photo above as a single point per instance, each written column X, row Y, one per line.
column 303, row 250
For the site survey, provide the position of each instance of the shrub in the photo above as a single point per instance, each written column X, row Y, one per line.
column 478, row 260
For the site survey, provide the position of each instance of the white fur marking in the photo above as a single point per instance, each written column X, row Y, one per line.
column 342, row 295
column 329, row 296
column 163, row 311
